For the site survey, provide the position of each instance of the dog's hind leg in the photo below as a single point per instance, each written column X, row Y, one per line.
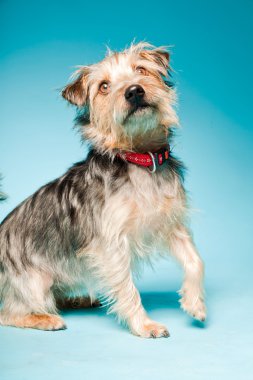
column 78, row 302
column 183, row 249
column 28, row 302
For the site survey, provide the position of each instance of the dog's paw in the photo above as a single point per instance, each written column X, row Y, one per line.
column 195, row 307
column 152, row 329
column 47, row 322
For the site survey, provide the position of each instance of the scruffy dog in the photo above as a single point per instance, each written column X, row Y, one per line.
column 91, row 227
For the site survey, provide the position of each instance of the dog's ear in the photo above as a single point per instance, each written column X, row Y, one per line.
column 77, row 91
column 158, row 55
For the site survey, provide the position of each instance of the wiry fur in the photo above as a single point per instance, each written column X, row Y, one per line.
column 89, row 228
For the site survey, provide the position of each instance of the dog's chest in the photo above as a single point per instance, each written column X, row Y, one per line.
column 153, row 198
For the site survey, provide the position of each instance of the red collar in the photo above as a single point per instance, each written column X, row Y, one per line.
column 149, row 159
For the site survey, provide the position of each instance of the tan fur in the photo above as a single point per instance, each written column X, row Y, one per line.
column 108, row 112
column 37, row 321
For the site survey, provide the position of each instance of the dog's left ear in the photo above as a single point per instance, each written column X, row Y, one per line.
column 159, row 55
column 77, row 91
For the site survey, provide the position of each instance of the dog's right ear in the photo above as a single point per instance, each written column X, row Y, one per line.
column 77, row 91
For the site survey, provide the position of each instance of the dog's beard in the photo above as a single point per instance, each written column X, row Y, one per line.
column 138, row 110
column 140, row 127
column 141, row 120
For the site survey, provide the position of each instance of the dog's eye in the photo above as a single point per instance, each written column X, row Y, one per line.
column 141, row 70
column 104, row 87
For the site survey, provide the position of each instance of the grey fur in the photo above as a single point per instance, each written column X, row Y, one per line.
column 61, row 218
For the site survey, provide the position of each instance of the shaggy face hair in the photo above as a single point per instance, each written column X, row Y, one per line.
column 86, row 232
column 111, row 122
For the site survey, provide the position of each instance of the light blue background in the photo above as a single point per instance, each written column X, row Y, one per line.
column 212, row 55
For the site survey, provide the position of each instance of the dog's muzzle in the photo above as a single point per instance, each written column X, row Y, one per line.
column 134, row 95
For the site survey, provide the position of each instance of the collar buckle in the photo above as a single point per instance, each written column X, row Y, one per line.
column 153, row 162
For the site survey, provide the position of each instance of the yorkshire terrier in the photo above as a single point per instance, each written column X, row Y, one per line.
column 91, row 227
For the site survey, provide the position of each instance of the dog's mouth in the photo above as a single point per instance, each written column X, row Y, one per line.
column 138, row 110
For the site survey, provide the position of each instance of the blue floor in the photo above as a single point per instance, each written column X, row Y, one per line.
column 95, row 346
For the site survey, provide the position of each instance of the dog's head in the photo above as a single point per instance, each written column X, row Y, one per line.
column 125, row 101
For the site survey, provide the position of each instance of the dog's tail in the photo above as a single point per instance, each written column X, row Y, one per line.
column 3, row 196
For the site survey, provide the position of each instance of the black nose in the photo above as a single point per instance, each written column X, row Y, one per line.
column 134, row 94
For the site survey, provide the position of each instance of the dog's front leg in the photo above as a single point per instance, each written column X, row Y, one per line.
column 115, row 278
column 183, row 249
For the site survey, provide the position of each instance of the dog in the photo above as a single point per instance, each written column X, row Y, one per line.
column 91, row 228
